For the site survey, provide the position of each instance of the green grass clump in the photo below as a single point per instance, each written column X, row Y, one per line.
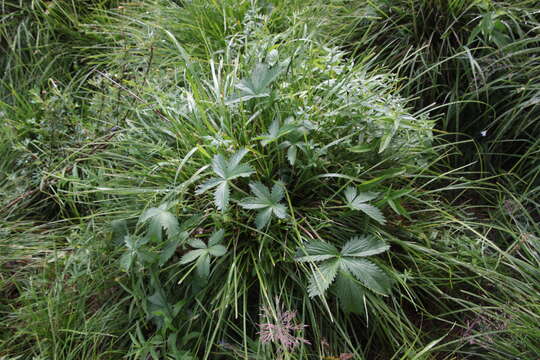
column 218, row 173
column 258, row 144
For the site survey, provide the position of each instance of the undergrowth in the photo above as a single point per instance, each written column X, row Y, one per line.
column 217, row 180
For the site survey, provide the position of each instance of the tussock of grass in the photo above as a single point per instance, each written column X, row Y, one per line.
column 169, row 198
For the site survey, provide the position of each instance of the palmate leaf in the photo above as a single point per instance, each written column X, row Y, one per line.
column 258, row 84
column 275, row 131
column 358, row 201
column 226, row 171
column 354, row 273
column 202, row 253
column 160, row 219
column 266, row 202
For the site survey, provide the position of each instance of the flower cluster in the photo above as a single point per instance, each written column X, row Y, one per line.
column 284, row 332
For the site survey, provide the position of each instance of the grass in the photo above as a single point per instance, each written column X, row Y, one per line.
column 467, row 59
column 134, row 215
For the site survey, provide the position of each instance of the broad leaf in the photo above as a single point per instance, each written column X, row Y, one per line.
column 369, row 274
column 277, row 192
column 161, row 218
column 203, row 266
column 126, row 260
column 197, row 243
column 217, row 250
column 266, row 202
column 168, row 251
column 364, row 246
column 350, row 293
column 216, row 237
column 275, row 131
column 221, row 196
column 358, row 201
column 316, row 251
column 353, row 272
column 322, row 278
column 207, row 185
column 192, row 255
column 119, row 231
column 291, row 154
column 226, row 170
column 258, row 84
column 203, row 253
column 372, row 212
column 263, row 217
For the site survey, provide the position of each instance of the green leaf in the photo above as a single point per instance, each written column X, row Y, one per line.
column 221, row 196
column 217, row 250
column 316, row 251
column 203, row 252
column 119, row 230
column 147, row 256
column 209, row 184
column 203, row 266
column 263, row 217
column 275, row 131
column 216, row 237
column 130, row 242
column 154, row 232
column 220, row 166
column 350, row 293
column 126, row 260
column 192, row 255
column 253, row 203
column 350, row 194
column 277, row 192
column 372, row 212
column 235, row 169
column 322, row 277
column 291, row 154
column 353, row 272
column 364, row 246
column 280, row 211
column 260, row 191
column 197, row 243
column 257, row 85
column 241, row 170
column 226, row 170
column 168, row 251
column 361, row 148
column 161, row 218
column 353, row 197
column 357, row 201
column 369, row 274
column 266, row 202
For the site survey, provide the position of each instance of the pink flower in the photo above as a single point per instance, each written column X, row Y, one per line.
column 284, row 331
